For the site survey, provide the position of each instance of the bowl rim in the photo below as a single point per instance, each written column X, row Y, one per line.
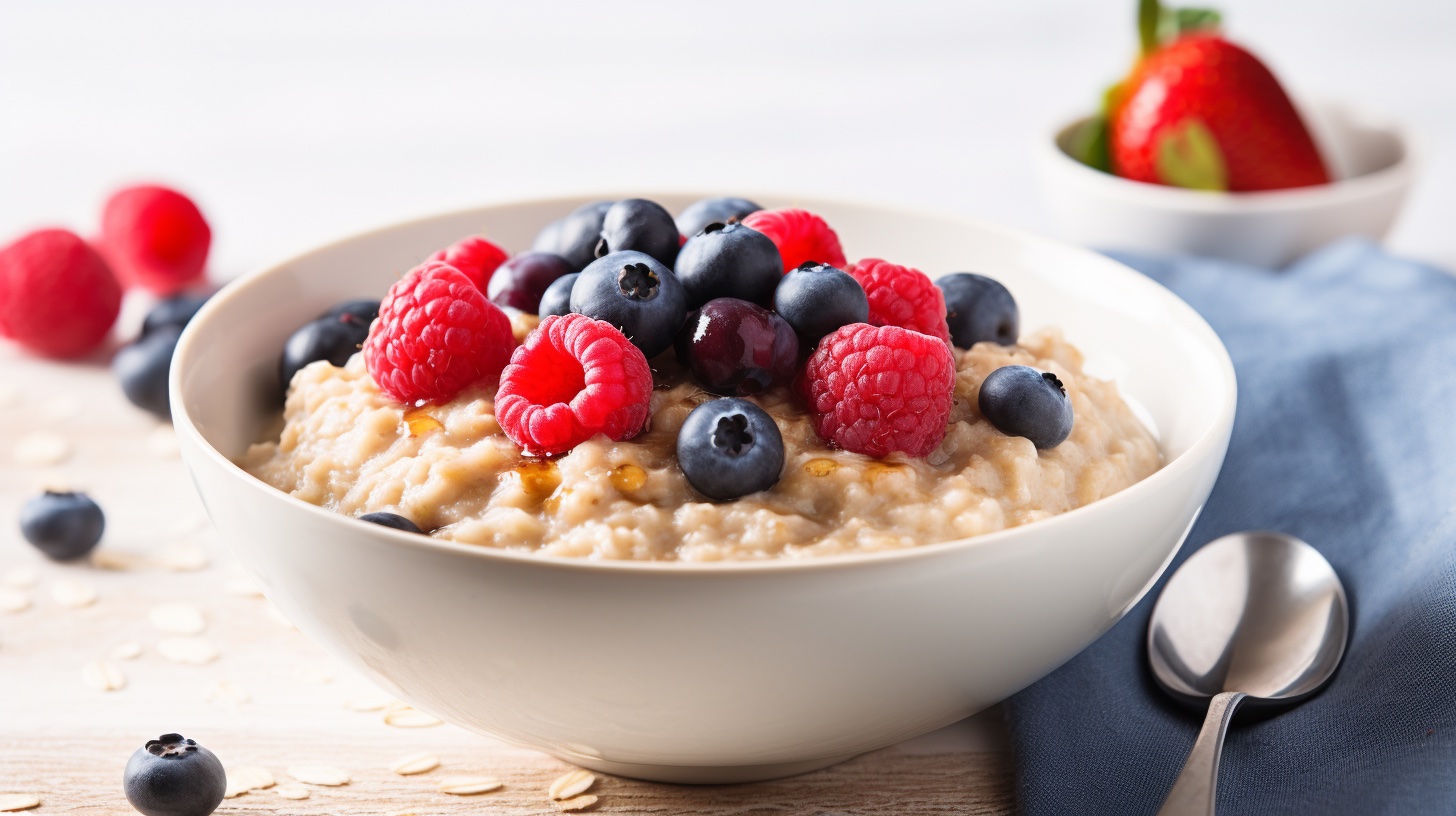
column 1398, row 175
column 1212, row 437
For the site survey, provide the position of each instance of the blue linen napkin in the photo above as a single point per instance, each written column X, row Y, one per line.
column 1345, row 437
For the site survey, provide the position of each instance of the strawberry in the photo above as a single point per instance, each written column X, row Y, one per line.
column 1198, row 111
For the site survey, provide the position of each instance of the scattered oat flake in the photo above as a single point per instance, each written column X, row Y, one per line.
column 572, row 783
column 177, row 619
column 292, row 792
column 468, row 785
column 182, row 558
column 246, row 778
column 576, row 803
column 228, row 693
column 370, row 702
column 12, row 802
column 191, row 651
column 126, row 650
column 415, row 764
column 242, row 586
column 42, row 448
column 103, row 675
column 13, row 600
column 407, row 717
column 20, row 577
column 162, row 442
column 118, row 560
column 73, row 593
column 326, row 775
column 276, row 615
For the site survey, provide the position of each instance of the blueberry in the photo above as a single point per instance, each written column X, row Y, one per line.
column 578, row 234
column 700, row 214
column 1021, row 401
column 521, row 281
column 142, row 368
column 174, row 311
column 635, row 293
column 729, row 448
column 556, row 300
column 394, row 520
column 729, row 260
column 737, row 348
column 63, row 525
column 639, row 225
column 549, row 238
column 979, row 308
column 816, row 299
column 328, row 338
column 363, row 308
column 174, row 776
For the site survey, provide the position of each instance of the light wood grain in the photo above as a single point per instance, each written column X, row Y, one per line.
column 284, row 703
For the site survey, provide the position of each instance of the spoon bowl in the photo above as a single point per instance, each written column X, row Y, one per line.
column 1259, row 612
column 1255, row 618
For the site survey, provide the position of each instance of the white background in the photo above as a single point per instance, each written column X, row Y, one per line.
column 296, row 122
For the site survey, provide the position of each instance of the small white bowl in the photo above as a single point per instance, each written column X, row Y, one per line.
column 1372, row 160
column 710, row 672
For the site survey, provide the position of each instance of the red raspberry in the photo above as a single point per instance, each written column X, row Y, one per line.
column 435, row 335
column 800, row 236
column 474, row 256
column 879, row 389
column 155, row 238
column 57, row 296
column 572, row 379
column 901, row 296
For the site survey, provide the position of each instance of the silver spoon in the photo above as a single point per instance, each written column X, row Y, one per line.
column 1256, row 618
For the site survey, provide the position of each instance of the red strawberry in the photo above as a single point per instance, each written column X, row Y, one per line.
column 1198, row 111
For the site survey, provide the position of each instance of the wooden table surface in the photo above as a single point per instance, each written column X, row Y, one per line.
column 271, row 698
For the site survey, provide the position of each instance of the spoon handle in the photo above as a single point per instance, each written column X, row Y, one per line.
column 1193, row 792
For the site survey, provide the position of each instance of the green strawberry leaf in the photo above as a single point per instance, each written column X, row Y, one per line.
column 1150, row 14
column 1174, row 23
column 1091, row 143
column 1188, row 156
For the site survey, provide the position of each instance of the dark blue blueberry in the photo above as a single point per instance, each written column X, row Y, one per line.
column 65, row 526
column 363, row 308
column 556, row 300
column 635, row 293
column 521, row 281
column 394, row 520
column 737, row 348
column 816, row 299
column 174, row 776
column 176, row 310
column 639, row 225
column 549, row 238
column 1021, row 401
column 579, row 233
column 729, row 448
column 979, row 309
column 732, row 261
column 329, row 338
column 142, row 368
column 700, row 214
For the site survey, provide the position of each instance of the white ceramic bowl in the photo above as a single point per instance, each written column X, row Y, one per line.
column 704, row 672
column 1372, row 160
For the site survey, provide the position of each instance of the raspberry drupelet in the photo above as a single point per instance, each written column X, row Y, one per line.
column 800, row 236
column 902, row 296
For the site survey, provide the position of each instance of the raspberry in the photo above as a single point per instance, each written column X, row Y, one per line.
column 573, row 378
column 800, row 236
column 435, row 335
column 57, row 296
column 901, row 296
column 155, row 238
column 475, row 256
column 879, row 389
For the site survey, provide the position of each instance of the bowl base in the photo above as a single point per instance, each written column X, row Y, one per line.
column 705, row 774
